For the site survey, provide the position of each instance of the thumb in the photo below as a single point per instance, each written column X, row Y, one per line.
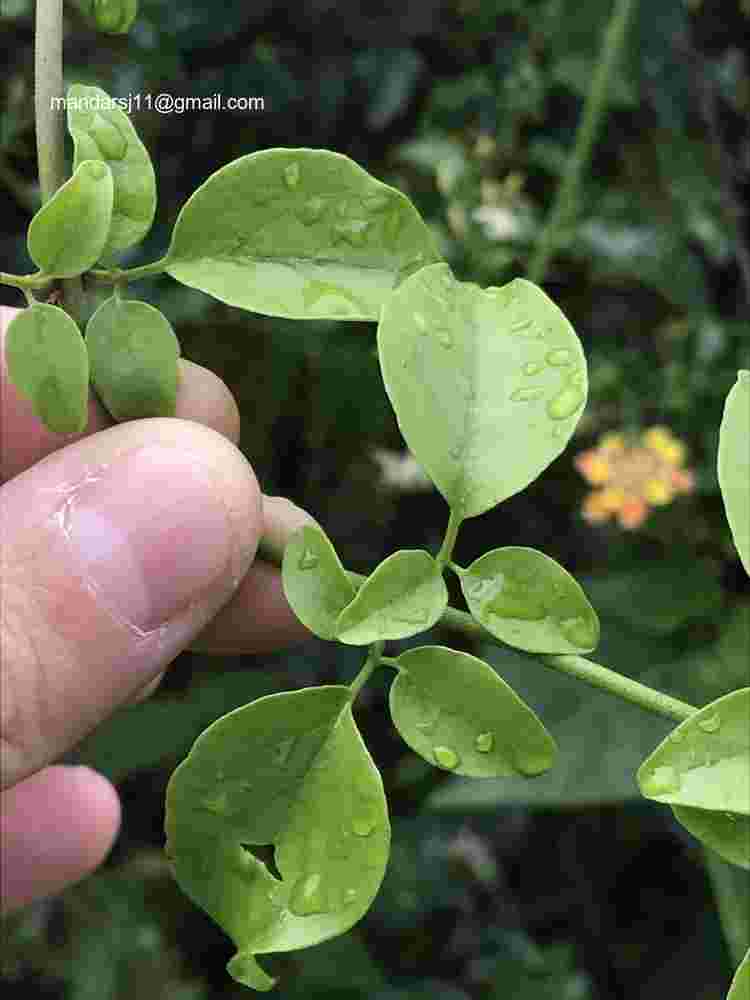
column 116, row 551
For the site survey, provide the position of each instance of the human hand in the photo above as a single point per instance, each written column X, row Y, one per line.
column 120, row 547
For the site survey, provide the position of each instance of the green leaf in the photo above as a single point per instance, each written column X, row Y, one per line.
column 740, row 988
column 133, row 353
column 705, row 762
column 113, row 17
column 530, row 602
column 726, row 833
column 290, row 770
column 48, row 364
column 68, row 233
column 301, row 233
column 403, row 596
column 734, row 464
column 315, row 583
column 487, row 385
column 457, row 713
column 101, row 130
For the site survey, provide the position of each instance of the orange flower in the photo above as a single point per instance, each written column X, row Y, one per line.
column 633, row 476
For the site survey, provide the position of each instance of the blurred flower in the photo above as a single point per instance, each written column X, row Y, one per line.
column 400, row 471
column 498, row 222
column 633, row 476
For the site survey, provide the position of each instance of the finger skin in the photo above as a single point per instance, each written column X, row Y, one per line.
column 55, row 828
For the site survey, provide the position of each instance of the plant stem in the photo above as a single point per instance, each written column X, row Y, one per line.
column 116, row 276
column 22, row 281
column 566, row 202
column 50, row 132
column 371, row 664
column 584, row 670
column 446, row 549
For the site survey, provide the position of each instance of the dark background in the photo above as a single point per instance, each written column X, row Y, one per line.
column 571, row 887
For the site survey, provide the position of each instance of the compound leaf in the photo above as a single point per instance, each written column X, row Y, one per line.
column 734, row 464
column 288, row 770
column 301, row 233
column 487, row 384
column 102, row 131
column 133, row 353
column 705, row 762
column 315, row 583
column 457, row 713
column 403, row 596
column 68, row 233
column 47, row 362
column 530, row 602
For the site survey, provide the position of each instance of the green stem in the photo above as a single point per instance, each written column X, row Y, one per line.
column 50, row 131
column 584, row 670
column 446, row 549
column 566, row 202
column 116, row 276
column 371, row 664
column 22, row 281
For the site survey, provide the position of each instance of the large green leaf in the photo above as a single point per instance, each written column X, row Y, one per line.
column 734, row 464
column 68, row 234
column 47, row 362
column 133, row 352
column 704, row 762
column 740, row 988
column 530, row 602
column 315, row 583
column 403, row 596
column 457, row 713
column 289, row 770
column 487, row 385
column 301, row 233
column 726, row 833
column 103, row 131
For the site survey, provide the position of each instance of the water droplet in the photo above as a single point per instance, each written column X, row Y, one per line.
column 363, row 826
column 521, row 326
column 565, row 403
column 531, row 765
column 377, row 202
column 421, row 320
column 353, row 232
column 456, row 451
column 484, row 742
column 307, row 560
column 578, row 378
column 578, row 630
column 416, row 616
column 307, row 897
column 291, row 175
column 311, row 211
column 710, row 724
column 446, row 757
column 350, row 895
column 558, row 358
column 661, row 781
column 216, row 804
column 108, row 138
column 532, row 368
column 444, row 337
column 526, row 394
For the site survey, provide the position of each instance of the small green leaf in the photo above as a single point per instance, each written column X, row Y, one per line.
column 530, row 602
column 457, row 713
column 301, row 233
column 133, row 353
column 103, row 131
column 113, row 17
column 734, row 464
column 315, row 583
column 68, row 233
column 288, row 770
column 48, row 364
column 726, row 833
column 705, row 762
column 740, row 988
column 487, row 385
column 403, row 596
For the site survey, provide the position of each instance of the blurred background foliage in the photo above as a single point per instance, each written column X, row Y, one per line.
column 567, row 886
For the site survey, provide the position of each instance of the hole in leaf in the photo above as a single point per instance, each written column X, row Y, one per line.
column 265, row 854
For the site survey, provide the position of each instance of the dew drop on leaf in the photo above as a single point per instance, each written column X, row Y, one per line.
column 531, row 766
column 710, row 724
column 484, row 742
column 350, row 895
column 363, row 826
column 521, row 326
column 578, row 631
column 565, row 403
column 307, row 897
column 532, row 368
column 311, row 211
column 559, row 357
column 216, row 804
column 661, row 781
column 526, row 394
column 446, row 757
column 291, row 175
column 307, row 560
